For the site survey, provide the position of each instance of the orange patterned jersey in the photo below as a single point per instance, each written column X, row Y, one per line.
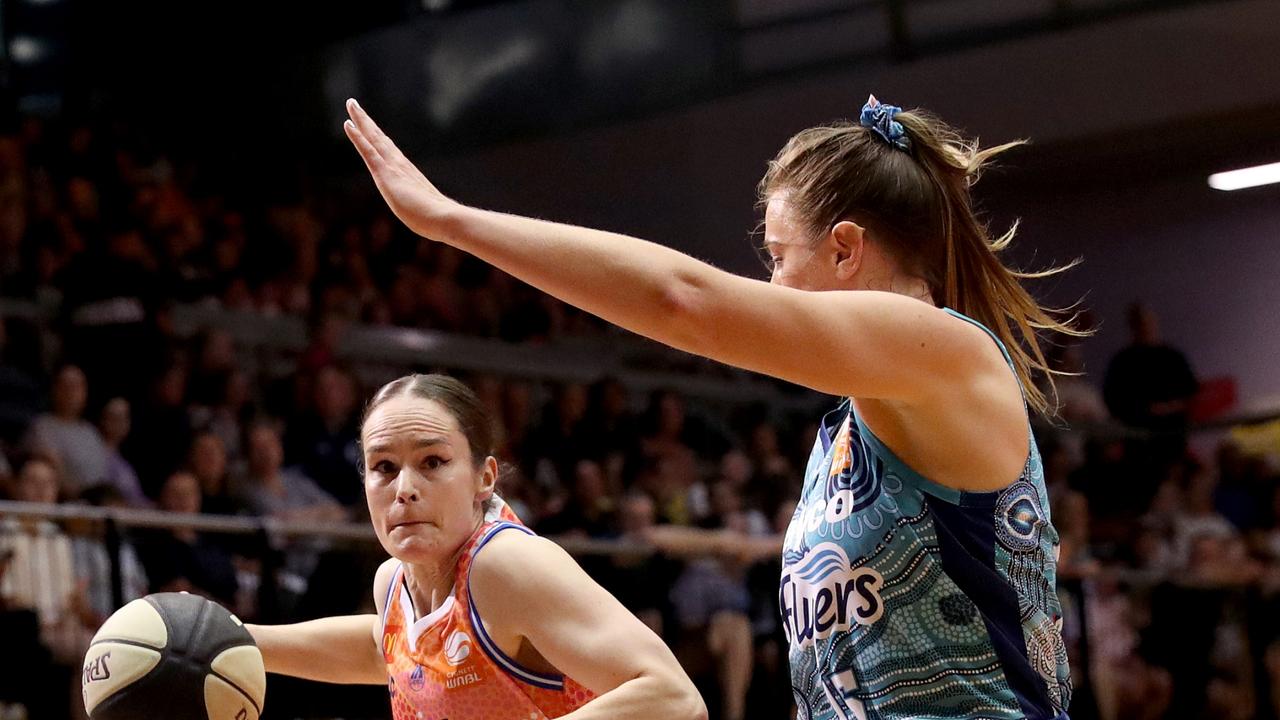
column 445, row 667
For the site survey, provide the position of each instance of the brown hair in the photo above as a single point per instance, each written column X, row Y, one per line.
column 917, row 203
column 458, row 399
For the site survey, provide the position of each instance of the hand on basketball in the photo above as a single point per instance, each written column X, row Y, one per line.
column 408, row 193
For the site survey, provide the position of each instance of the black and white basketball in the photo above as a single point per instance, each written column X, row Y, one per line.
column 174, row 656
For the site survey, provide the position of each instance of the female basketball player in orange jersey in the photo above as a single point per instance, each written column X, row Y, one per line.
column 919, row 568
column 477, row 618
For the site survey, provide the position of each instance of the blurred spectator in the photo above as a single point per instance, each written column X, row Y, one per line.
column 1080, row 402
column 559, row 438
column 107, row 297
column 114, row 424
column 589, row 510
column 207, row 461
column 285, row 494
column 1199, row 527
column 41, row 575
column 182, row 559
column 325, row 442
column 70, row 438
column 93, row 562
column 225, row 417
column 161, row 439
column 1149, row 384
column 610, row 426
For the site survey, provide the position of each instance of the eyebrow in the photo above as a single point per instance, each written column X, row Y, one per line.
column 417, row 444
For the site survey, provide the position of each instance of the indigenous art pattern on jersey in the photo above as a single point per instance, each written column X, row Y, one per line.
column 902, row 598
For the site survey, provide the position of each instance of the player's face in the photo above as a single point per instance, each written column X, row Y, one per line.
column 795, row 260
column 423, row 487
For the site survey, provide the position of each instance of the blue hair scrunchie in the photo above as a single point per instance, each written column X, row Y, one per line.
column 879, row 117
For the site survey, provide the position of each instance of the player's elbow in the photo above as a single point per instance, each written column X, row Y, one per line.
column 696, row 708
column 686, row 308
column 684, row 701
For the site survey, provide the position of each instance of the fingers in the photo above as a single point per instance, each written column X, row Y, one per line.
column 367, row 152
column 371, row 131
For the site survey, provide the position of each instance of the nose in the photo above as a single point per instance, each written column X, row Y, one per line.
column 406, row 487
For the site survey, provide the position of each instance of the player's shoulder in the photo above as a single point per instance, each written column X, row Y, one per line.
column 508, row 557
column 382, row 582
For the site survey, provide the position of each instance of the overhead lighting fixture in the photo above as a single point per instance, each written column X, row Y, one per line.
column 1246, row 177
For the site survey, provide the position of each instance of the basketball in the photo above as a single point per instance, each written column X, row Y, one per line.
column 176, row 656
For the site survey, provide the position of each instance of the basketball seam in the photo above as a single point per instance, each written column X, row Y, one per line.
column 123, row 641
column 238, row 689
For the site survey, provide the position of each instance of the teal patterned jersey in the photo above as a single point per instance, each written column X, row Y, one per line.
column 903, row 598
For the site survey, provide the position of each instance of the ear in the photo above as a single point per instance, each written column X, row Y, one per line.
column 488, row 479
column 848, row 239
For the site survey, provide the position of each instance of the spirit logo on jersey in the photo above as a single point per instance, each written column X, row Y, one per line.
column 820, row 595
column 457, row 648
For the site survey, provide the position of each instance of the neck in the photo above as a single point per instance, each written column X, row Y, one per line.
column 901, row 284
column 430, row 583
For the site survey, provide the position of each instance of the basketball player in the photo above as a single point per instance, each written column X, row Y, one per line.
column 918, row 571
column 477, row 618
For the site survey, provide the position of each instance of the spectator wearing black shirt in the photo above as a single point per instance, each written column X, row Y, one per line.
column 1149, row 384
column 324, row 443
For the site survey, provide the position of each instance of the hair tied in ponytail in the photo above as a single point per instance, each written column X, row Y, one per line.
column 879, row 117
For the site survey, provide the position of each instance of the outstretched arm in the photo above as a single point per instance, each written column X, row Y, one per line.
column 860, row 344
column 343, row 650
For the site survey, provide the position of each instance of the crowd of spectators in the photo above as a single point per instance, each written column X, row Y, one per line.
column 1170, row 558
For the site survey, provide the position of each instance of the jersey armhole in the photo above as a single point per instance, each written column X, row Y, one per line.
column 506, row 663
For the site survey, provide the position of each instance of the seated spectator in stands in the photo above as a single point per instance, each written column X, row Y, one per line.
column 1149, row 384
column 610, row 426
column 589, row 509
column 640, row 580
column 324, row 443
column 207, row 461
column 672, row 481
column 65, row 434
column 41, row 575
column 93, row 561
column 1079, row 400
column 558, row 439
column 1198, row 521
column 225, row 417
column 711, row 598
column 114, row 425
column 272, row 490
column 29, row 679
column 182, row 559
column 161, row 437
column 665, row 427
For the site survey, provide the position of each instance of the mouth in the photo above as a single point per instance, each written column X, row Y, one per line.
column 409, row 524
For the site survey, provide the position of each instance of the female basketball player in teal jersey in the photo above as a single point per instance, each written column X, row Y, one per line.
column 918, row 572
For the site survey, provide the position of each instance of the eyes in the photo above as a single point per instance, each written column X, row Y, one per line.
column 389, row 469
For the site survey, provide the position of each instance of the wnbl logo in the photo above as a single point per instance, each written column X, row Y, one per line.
column 821, row 595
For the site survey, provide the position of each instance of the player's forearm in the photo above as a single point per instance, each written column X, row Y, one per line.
column 642, row 286
column 644, row 698
column 334, row 649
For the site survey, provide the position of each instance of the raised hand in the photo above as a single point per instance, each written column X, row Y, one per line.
column 408, row 193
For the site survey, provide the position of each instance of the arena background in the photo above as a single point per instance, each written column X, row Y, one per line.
column 182, row 219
